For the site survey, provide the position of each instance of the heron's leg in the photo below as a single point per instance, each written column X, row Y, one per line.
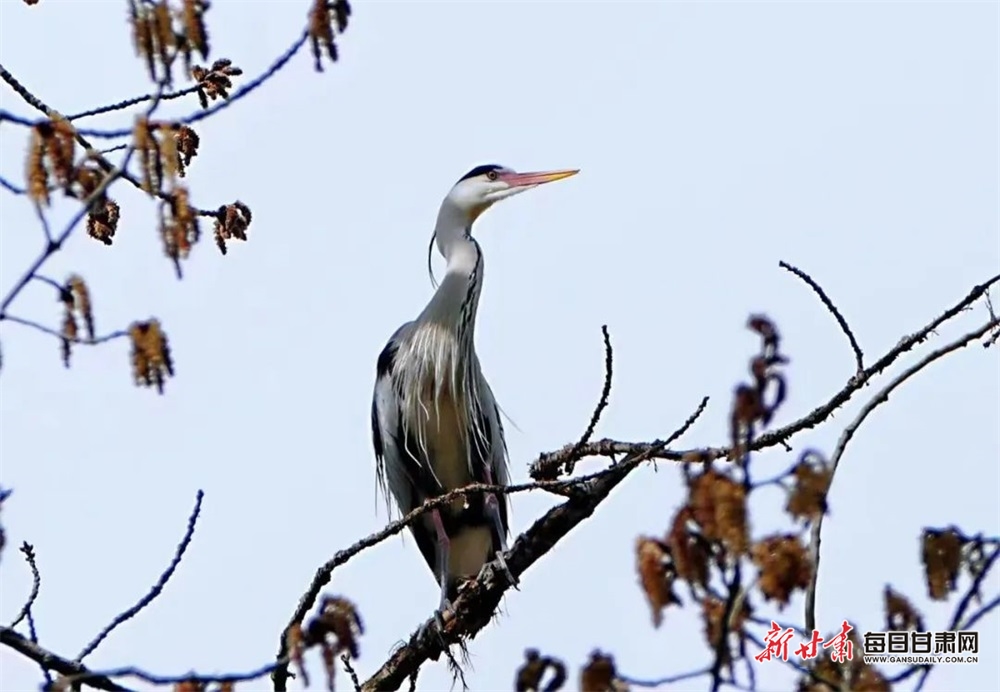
column 444, row 548
column 493, row 510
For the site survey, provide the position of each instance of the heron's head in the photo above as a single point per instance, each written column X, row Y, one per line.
column 485, row 185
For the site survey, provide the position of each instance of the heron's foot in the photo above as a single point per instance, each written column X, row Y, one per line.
column 436, row 625
column 501, row 564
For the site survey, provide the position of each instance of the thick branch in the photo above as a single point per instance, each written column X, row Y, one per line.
column 582, row 488
column 50, row 661
column 476, row 604
column 542, row 467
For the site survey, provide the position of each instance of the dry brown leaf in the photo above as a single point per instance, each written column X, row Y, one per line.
column 70, row 333
column 900, row 613
column 784, row 567
column 861, row 677
column 231, row 221
column 195, row 33
column 329, row 665
column 215, row 81
column 189, row 686
column 36, row 174
column 718, row 505
column 942, row 560
column 812, row 482
column 322, row 17
column 81, row 301
column 102, row 221
column 159, row 42
column 179, row 227
column 529, row 675
column 295, row 645
column 149, row 154
column 656, row 575
column 768, row 332
column 599, row 675
column 339, row 617
column 51, row 154
column 691, row 551
column 151, row 359
column 186, row 142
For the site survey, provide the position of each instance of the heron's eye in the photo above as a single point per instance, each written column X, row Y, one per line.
column 492, row 175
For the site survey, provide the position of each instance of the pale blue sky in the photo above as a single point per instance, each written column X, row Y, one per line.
column 858, row 141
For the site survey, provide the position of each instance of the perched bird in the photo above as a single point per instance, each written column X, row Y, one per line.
column 435, row 423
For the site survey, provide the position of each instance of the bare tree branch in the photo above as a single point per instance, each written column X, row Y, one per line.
column 858, row 355
column 668, row 680
column 14, row 319
column 601, row 403
column 157, row 587
column 866, row 410
column 50, row 661
column 128, row 103
column 543, row 466
column 11, row 187
column 28, row 551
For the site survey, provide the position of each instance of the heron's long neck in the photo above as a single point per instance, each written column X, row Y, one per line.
column 457, row 298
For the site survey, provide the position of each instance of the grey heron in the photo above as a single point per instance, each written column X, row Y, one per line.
column 435, row 423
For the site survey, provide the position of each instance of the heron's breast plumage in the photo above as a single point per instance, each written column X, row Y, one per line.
column 435, row 403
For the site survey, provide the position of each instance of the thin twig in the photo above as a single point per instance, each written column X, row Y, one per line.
column 14, row 319
column 28, row 97
column 982, row 612
column 41, row 278
column 972, row 592
column 203, row 680
column 36, row 582
column 815, row 537
column 33, row 635
column 346, row 660
column 669, row 680
column 858, row 355
column 721, row 647
column 134, row 101
column 117, row 147
column 28, row 551
column 43, row 221
column 11, row 187
column 157, row 587
column 602, row 403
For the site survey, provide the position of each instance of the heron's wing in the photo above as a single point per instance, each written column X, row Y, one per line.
column 493, row 454
column 398, row 472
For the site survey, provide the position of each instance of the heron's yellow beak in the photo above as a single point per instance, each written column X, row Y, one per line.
column 536, row 178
